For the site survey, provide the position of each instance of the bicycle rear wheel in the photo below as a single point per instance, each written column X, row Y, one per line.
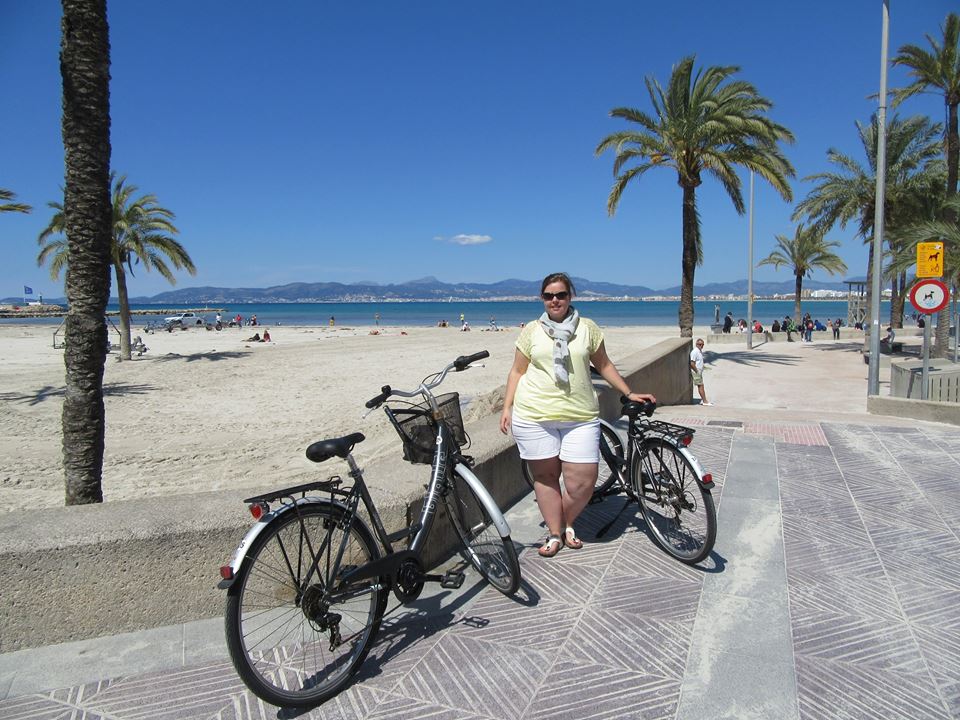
column 494, row 557
column 296, row 641
column 611, row 461
column 680, row 514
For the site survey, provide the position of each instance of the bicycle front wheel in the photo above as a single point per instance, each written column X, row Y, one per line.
column 296, row 637
column 680, row 514
column 494, row 557
column 611, row 461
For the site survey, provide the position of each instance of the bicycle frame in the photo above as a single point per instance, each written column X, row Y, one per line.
column 445, row 453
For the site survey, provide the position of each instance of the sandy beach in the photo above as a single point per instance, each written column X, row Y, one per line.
column 206, row 410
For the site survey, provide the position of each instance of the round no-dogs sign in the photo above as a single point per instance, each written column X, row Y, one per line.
column 929, row 296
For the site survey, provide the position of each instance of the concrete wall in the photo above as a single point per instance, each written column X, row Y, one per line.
column 79, row 572
column 767, row 336
column 927, row 410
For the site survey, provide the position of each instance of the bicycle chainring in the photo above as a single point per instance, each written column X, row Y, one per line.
column 409, row 582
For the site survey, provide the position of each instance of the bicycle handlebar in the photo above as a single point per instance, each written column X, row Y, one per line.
column 464, row 361
column 373, row 402
column 458, row 365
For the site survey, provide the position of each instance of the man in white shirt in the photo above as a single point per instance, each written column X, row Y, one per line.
column 696, row 369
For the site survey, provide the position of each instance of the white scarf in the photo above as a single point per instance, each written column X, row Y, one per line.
column 561, row 332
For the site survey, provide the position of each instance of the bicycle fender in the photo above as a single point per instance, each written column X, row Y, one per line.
column 258, row 527
column 708, row 485
column 489, row 504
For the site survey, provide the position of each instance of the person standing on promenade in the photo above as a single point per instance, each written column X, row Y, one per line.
column 836, row 329
column 551, row 407
column 696, row 370
column 728, row 322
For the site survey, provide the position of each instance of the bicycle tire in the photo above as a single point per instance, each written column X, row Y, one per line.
column 682, row 517
column 493, row 556
column 607, row 473
column 281, row 654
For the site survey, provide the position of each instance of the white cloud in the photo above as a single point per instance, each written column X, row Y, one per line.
column 463, row 239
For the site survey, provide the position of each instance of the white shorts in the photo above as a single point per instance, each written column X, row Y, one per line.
column 575, row 441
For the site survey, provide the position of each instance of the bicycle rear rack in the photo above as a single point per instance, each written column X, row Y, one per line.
column 679, row 433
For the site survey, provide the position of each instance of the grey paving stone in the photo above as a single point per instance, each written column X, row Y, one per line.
column 749, row 535
column 486, row 678
column 648, row 645
column 84, row 661
column 721, row 685
column 859, row 639
column 746, row 627
column 204, row 641
column 829, row 690
column 599, row 692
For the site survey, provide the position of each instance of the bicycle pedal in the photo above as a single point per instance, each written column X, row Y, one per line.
column 452, row 580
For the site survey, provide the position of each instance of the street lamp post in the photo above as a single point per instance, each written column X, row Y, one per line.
column 873, row 383
column 750, row 270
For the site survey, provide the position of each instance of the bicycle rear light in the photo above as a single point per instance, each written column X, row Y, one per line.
column 258, row 509
column 226, row 572
column 686, row 440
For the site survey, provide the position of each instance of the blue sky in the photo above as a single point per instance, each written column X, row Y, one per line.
column 386, row 141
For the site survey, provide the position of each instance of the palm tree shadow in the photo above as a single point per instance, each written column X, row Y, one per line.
column 748, row 358
column 48, row 392
column 212, row 356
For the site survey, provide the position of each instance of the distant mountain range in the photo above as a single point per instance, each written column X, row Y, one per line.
column 429, row 288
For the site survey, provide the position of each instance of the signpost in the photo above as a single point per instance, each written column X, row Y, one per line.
column 929, row 297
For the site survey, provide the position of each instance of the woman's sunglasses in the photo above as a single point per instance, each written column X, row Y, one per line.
column 562, row 295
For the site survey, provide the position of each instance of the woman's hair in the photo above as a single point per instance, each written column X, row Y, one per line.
column 558, row 277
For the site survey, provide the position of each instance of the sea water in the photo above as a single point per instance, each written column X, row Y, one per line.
column 512, row 313
column 608, row 313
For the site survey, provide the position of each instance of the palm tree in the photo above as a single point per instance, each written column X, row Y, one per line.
column 848, row 193
column 85, row 70
column 938, row 70
column 802, row 253
column 703, row 123
column 6, row 195
column 141, row 232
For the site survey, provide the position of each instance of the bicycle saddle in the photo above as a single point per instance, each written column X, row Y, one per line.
column 326, row 449
column 633, row 409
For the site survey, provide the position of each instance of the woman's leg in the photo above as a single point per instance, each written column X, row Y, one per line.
column 579, row 480
column 546, row 486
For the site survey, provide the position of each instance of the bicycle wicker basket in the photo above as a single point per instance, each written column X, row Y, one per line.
column 417, row 428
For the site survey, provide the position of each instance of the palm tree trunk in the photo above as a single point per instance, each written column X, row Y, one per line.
column 941, row 344
column 868, row 310
column 124, row 311
column 689, row 261
column 798, row 289
column 85, row 69
column 896, row 302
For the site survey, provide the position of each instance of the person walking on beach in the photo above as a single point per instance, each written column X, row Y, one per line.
column 551, row 408
column 696, row 370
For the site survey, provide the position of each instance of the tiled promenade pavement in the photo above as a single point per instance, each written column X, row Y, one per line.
column 833, row 592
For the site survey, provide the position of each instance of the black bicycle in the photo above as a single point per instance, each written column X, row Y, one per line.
column 662, row 476
column 308, row 586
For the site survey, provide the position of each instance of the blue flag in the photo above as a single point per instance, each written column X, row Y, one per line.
column 27, row 290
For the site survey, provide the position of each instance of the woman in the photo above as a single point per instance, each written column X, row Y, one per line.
column 552, row 409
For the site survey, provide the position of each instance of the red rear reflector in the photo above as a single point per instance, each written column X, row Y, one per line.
column 686, row 440
column 226, row 572
column 707, row 478
column 258, row 510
